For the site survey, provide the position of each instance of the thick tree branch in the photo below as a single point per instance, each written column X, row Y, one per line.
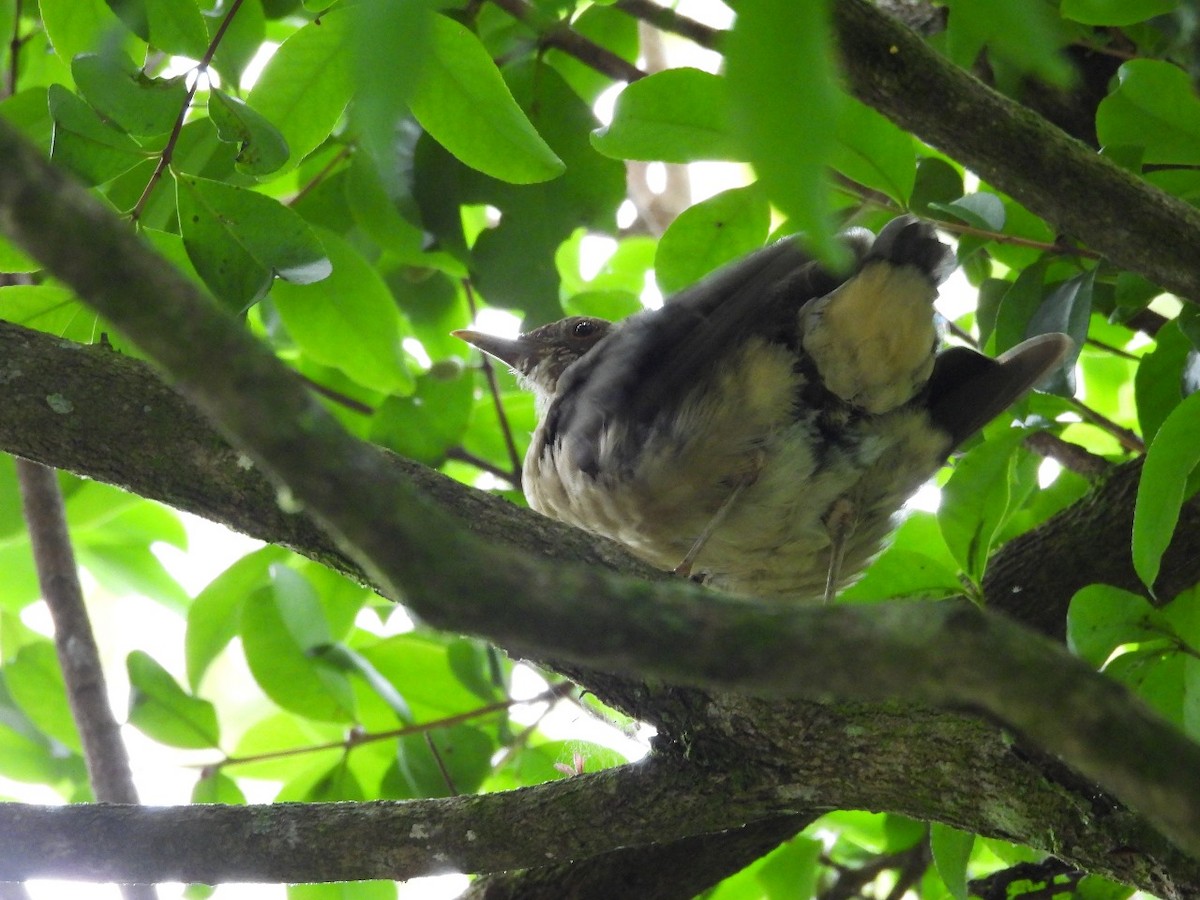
column 632, row 806
column 1058, row 178
column 948, row 654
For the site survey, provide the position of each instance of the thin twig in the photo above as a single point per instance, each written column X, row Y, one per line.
column 168, row 151
column 1115, row 351
column 554, row 693
column 321, row 175
column 14, row 51
column 1129, row 441
column 572, row 43
column 337, row 397
column 460, row 455
column 103, row 750
column 665, row 19
column 107, row 760
column 1071, row 456
column 1016, row 240
column 489, row 373
column 441, row 764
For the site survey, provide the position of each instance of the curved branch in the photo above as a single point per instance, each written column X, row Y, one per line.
column 946, row 654
column 1058, row 178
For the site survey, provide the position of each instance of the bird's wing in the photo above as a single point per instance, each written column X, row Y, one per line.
column 967, row 389
column 653, row 361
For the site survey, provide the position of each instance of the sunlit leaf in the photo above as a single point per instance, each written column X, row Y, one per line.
column 1164, row 485
column 1115, row 12
column 304, row 89
column 709, row 234
column 1154, row 108
column 261, row 148
column 119, row 91
column 462, row 101
column 975, row 501
column 348, row 320
column 788, row 135
column 677, row 115
column 951, row 851
column 239, row 240
column 162, row 710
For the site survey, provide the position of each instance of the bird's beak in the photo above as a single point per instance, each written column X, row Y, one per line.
column 507, row 350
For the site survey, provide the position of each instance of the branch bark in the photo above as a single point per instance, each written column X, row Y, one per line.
column 1058, row 178
column 949, row 654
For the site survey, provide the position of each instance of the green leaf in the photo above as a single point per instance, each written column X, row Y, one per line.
column 425, row 425
column 875, row 152
column 131, row 568
column 951, row 852
column 1018, row 305
column 13, row 260
column 1155, row 108
column 1159, row 378
column 1067, row 309
column 509, row 261
column 789, row 136
column 76, row 26
column 1170, row 459
column 346, row 890
column 936, row 182
column 177, row 27
column 463, row 756
column 29, row 757
column 348, row 321
column 464, row 104
column 677, row 115
column 421, row 670
column 1102, row 618
column 611, row 305
column 306, row 86
column 379, row 214
column 262, row 149
column 35, row 681
column 239, row 240
column 915, row 564
column 280, row 624
column 709, row 234
column 331, row 784
column 51, row 308
column 213, row 617
column 216, row 787
column 282, row 732
column 84, row 143
column 1115, row 12
column 165, row 712
column 980, row 210
column 119, row 91
column 349, row 660
column 791, row 870
column 1023, row 34
column 241, row 41
column 975, row 501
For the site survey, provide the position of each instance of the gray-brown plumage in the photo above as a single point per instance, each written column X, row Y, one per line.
column 764, row 426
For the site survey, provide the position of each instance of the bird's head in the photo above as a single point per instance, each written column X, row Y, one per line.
column 539, row 357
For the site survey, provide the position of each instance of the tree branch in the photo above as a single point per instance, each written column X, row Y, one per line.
column 1056, row 177
column 948, row 654
column 78, row 656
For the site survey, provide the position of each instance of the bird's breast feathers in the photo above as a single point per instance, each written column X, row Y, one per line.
column 741, row 430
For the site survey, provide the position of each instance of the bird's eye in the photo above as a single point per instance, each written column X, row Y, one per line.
column 584, row 328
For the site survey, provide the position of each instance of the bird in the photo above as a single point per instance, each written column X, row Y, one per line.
column 761, row 430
